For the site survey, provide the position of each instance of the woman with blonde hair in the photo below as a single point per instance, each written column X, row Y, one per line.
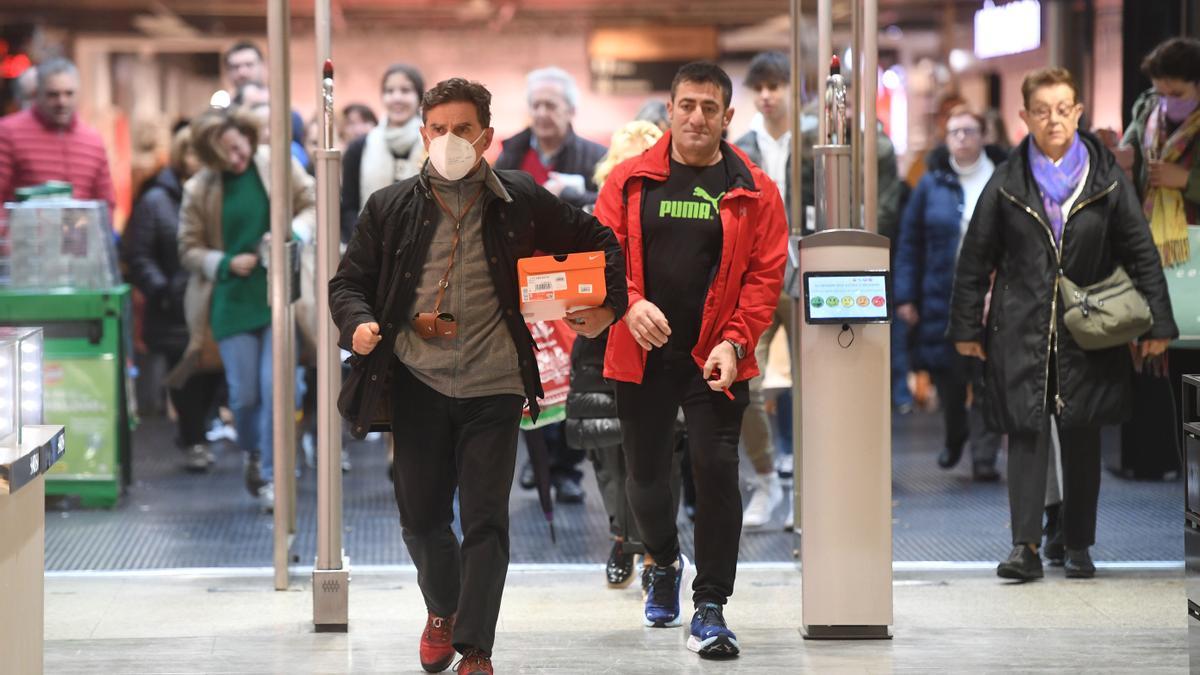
column 224, row 219
column 149, row 249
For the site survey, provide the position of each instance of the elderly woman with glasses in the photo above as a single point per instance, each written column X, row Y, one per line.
column 931, row 233
column 1060, row 207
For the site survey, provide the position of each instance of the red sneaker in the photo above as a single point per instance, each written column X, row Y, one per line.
column 436, row 650
column 474, row 662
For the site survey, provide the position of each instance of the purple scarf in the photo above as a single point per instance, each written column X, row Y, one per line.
column 1057, row 183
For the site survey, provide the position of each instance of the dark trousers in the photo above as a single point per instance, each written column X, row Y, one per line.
column 611, row 478
column 468, row 444
column 193, row 402
column 1029, row 457
column 963, row 422
column 647, row 412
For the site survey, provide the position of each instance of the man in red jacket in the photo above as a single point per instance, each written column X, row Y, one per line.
column 705, row 237
column 50, row 142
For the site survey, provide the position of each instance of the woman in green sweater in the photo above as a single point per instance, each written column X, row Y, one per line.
column 223, row 220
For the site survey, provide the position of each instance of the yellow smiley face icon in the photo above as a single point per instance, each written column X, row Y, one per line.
column 848, row 301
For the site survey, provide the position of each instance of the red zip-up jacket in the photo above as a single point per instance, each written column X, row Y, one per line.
column 742, row 297
column 33, row 152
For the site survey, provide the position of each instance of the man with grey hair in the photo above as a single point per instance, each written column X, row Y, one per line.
column 49, row 142
column 548, row 148
column 564, row 164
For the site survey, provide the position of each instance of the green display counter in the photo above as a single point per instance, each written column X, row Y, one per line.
column 84, row 384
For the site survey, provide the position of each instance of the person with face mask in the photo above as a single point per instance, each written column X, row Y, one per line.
column 1059, row 209
column 706, row 236
column 1163, row 144
column 223, row 219
column 931, row 231
column 388, row 153
column 426, row 298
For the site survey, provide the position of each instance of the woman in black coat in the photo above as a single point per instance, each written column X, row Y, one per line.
column 149, row 249
column 1060, row 206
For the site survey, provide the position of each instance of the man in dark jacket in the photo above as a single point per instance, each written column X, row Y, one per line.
column 431, row 274
column 548, row 148
column 1060, row 207
column 564, row 164
column 150, row 252
column 706, row 237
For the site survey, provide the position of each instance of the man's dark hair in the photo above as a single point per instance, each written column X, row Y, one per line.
column 1175, row 59
column 411, row 72
column 704, row 72
column 768, row 68
column 240, row 46
column 458, row 89
column 362, row 110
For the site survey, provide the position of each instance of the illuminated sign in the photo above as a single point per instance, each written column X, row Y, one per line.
column 1010, row 28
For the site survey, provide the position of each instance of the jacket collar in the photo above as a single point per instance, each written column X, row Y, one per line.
column 938, row 160
column 655, row 164
column 523, row 141
column 493, row 180
column 1019, row 181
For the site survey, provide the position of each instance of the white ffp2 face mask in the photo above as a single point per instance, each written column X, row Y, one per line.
column 452, row 156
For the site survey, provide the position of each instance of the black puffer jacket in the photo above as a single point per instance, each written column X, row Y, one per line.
column 592, row 421
column 378, row 275
column 150, row 251
column 1010, row 234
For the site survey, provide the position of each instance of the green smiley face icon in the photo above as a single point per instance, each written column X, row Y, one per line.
column 818, row 302
column 832, row 301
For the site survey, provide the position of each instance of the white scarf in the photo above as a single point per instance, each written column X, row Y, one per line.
column 390, row 154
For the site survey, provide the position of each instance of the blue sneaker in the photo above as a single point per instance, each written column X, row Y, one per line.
column 710, row 637
column 662, row 600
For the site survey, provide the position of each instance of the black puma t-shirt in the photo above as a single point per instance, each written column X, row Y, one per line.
column 681, row 247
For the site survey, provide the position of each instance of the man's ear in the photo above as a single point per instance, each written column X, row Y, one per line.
column 728, row 118
column 488, row 135
column 425, row 137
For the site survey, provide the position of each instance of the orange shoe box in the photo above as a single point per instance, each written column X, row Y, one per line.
column 552, row 285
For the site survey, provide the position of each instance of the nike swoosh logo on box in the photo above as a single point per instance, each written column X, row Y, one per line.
column 592, row 257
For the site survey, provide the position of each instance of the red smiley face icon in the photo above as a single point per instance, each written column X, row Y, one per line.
column 877, row 301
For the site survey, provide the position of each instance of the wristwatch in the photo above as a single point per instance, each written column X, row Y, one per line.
column 738, row 348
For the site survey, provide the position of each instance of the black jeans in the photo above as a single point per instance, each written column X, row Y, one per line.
column 1029, row 457
column 468, row 444
column 194, row 402
column 714, row 423
column 963, row 422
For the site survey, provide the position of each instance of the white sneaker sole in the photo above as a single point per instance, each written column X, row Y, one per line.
column 716, row 647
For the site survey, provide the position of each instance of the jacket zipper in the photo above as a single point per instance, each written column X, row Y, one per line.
column 1052, row 338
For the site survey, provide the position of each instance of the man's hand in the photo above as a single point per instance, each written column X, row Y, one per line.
column 971, row 349
column 1152, row 347
column 366, row 336
column 1168, row 175
column 648, row 325
column 908, row 313
column 243, row 264
column 721, row 364
column 590, row 322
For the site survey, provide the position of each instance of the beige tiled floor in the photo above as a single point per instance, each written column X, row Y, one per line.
column 557, row 620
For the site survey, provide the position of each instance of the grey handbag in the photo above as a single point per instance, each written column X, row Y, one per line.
column 1106, row 314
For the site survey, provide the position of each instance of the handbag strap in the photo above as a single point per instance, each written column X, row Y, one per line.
column 444, row 283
